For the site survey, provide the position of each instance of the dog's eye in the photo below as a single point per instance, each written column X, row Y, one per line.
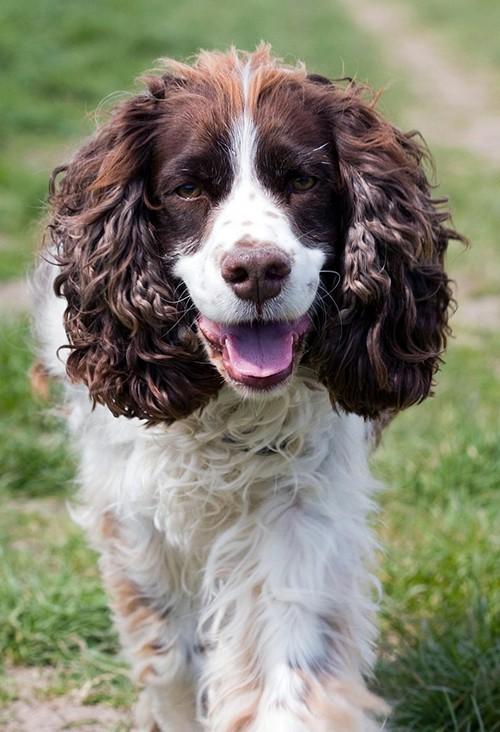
column 189, row 190
column 302, row 183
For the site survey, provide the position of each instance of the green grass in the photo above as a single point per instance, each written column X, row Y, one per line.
column 52, row 605
column 470, row 28
column 446, row 678
column 33, row 457
column 441, row 613
column 473, row 188
column 439, row 520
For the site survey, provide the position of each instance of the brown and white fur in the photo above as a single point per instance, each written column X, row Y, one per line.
column 235, row 198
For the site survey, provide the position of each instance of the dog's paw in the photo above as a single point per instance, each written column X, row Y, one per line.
column 143, row 716
column 333, row 706
column 343, row 706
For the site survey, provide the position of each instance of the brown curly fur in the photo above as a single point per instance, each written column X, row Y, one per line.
column 381, row 346
column 376, row 347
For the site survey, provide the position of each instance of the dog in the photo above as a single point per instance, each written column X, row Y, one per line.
column 241, row 281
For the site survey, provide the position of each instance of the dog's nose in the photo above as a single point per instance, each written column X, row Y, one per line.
column 256, row 273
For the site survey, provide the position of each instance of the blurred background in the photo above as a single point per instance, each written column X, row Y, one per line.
column 439, row 63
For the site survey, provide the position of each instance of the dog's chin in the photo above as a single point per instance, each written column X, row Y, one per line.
column 256, row 359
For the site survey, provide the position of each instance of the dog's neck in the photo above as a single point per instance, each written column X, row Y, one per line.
column 223, row 461
column 280, row 424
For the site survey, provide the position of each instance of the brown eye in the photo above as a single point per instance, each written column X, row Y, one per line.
column 302, row 183
column 189, row 190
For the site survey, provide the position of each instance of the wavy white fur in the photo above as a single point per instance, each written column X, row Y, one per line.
column 235, row 548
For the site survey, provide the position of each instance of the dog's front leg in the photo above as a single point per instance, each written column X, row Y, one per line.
column 154, row 621
column 288, row 621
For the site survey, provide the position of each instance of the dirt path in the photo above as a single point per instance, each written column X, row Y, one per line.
column 33, row 712
column 456, row 105
column 14, row 297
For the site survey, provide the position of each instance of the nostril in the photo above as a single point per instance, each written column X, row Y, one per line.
column 278, row 270
column 233, row 272
column 235, row 275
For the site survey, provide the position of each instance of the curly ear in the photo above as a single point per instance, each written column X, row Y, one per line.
column 129, row 339
column 386, row 335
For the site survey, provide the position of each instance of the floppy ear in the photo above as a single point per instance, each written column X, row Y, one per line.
column 384, row 339
column 129, row 339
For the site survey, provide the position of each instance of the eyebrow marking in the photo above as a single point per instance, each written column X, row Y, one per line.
column 271, row 214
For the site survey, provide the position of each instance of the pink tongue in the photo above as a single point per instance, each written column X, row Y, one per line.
column 260, row 350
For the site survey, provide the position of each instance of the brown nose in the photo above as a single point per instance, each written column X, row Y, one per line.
column 256, row 273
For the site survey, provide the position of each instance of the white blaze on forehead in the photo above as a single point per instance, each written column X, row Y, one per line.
column 246, row 77
column 250, row 212
column 244, row 146
column 244, row 133
column 249, row 204
column 244, row 139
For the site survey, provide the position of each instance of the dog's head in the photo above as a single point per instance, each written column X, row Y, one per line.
column 240, row 218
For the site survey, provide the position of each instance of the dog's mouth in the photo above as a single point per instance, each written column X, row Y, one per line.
column 259, row 355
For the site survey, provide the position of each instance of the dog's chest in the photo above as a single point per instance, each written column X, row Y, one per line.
column 216, row 467
column 204, row 474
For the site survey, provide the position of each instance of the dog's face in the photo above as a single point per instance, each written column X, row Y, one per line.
column 248, row 204
column 242, row 218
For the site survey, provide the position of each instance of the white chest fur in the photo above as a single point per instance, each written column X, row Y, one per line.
column 205, row 472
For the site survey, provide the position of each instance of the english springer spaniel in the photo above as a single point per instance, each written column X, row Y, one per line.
column 243, row 277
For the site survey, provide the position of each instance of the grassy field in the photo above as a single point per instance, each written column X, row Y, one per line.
column 467, row 27
column 440, row 621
